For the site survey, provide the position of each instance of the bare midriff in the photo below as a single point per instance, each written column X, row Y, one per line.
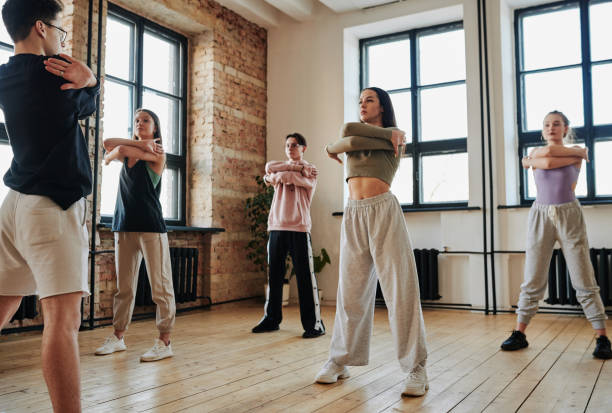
column 362, row 187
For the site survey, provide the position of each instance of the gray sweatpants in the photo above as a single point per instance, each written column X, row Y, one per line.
column 374, row 241
column 563, row 223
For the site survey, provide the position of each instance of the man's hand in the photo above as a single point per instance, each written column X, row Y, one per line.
column 309, row 171
column 75, row 72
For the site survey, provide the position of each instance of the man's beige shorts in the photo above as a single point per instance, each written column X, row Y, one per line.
column 43, row 249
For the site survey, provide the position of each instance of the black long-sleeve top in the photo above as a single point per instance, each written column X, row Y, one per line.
column 50, row 156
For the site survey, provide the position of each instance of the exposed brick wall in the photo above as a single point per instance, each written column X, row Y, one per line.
column 226, row 139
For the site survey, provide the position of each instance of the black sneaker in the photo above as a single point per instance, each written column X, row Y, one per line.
column 265, row 326
column 313, row 333
column 516, row 341
column 602, row 348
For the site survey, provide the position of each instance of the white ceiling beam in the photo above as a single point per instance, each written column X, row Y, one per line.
column 300, row 10
column 256, row 11
column 340, row 6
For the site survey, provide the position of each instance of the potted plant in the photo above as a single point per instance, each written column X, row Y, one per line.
column 257, row 210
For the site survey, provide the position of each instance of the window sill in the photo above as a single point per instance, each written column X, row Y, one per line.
column 173, row 228
column 406, row 209
column 582, row 202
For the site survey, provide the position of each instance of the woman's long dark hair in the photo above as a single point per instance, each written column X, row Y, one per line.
column 388, row 114
column 157, row 133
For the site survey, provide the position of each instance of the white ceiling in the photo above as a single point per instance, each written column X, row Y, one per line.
column 267, row 13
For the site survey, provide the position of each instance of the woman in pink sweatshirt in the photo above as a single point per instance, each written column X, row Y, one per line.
column 289, row 224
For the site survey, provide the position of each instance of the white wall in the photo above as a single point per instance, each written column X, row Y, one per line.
column 313, row 88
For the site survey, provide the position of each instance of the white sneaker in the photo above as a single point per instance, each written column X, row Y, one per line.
column 111, row 345
column 331, row 372
column 159, row 351
column 416, row 382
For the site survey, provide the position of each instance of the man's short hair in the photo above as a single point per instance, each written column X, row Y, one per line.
column 298, row 137
column 20, row 15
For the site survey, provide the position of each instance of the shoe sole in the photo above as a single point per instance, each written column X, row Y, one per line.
column 416, row 394
column 340, row 376
column 318, row 335
column 514, row 349
column 106, row 354
column 265, row 331
column 602, row 357
column 147, row 360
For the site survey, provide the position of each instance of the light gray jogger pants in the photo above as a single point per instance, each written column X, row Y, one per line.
column 563, row 223
column 374, row 241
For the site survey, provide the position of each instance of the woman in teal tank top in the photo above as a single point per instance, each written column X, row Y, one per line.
column 140, row 231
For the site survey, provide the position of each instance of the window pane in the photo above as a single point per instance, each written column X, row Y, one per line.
column 441, row 57
column 6, row 157
column 118, row 110
column 602, row 94
column 389, row 65
column 443, row 113
column 581, row 185
column 556, row 90
column 4, row 36
column 402, row 182
column 601, row 31
column 5, row 55
column 603, row 168
column 551, row 39
column 445, row 178
column 110, row 186
column 169, row 193
column 402, row 106
column 168, row 112
column 119, row 46
column 161, row 64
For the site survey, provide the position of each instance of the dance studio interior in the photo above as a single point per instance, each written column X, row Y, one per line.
column 476, row 87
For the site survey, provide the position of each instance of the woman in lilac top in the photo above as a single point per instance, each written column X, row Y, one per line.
column 556, row 215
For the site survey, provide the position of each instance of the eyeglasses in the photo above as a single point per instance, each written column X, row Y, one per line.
column 63, row 32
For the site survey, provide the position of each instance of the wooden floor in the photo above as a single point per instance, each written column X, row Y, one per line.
column 220, row 366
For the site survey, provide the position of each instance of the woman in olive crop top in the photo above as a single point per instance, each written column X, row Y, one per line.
column 374, row 243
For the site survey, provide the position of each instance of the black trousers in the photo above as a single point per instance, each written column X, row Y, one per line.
column 298, row 246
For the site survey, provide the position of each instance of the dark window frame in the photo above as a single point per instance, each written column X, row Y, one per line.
column 4, row 140
column 173, row 161
column 415, row 149
column 589, row 133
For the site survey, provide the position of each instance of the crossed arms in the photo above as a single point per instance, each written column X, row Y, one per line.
column 144, row 150
column 555, row 156
column 281, row 172
column 356, row 136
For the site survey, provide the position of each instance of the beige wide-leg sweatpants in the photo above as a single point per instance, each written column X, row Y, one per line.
column 564, row 223
column 374, row 241
column 129, row 250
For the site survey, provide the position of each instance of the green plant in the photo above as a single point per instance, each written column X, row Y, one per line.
column 318, row 261
column 257, row 211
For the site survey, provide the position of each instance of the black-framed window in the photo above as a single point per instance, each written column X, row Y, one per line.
column 6, row 154
column 564, row 62
column 146, row 66
column 424, row 72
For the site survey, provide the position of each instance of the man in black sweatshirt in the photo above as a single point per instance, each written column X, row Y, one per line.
column 43, row 232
